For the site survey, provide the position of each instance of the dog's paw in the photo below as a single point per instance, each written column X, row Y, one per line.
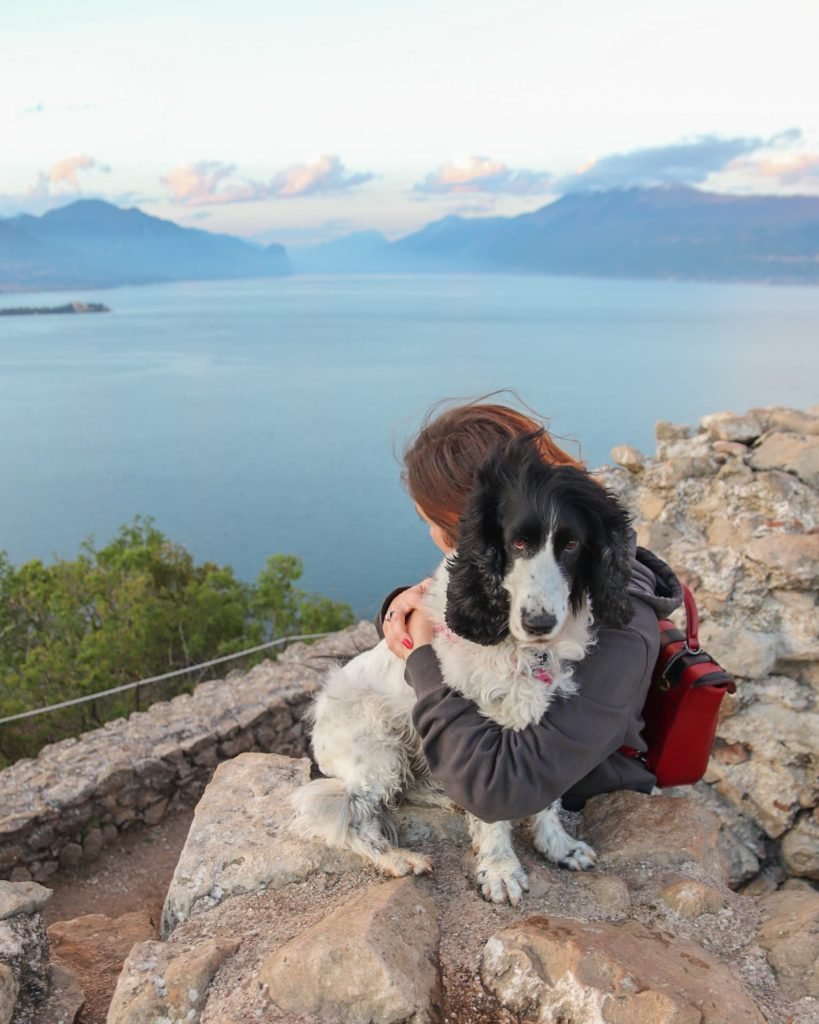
column 580, row 857
column 404, row 862
column 570, row 853
column 557, row 846
column 504, row 882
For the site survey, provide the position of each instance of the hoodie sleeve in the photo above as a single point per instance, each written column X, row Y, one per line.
column 499, row 774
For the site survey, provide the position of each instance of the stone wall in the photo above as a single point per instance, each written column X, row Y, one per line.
column 64, row 805
column 733, row 506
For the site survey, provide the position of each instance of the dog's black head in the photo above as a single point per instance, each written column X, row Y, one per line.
column 533, row 542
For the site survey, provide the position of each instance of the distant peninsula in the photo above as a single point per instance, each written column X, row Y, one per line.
column 70, row 307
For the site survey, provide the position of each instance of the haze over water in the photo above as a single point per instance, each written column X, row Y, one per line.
column 255, row 417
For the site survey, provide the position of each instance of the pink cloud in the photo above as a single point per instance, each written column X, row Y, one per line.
column 212, row 183
column 791, row 171
column 62, row 178
column 482, row 174
column 64, row 172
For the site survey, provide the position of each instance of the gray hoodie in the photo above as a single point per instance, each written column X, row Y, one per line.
column 573, row 752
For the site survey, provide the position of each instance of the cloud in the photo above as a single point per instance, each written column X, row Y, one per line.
column 212, row 183
column 481, row 174
column 683, row 163
column 59, row 183
column 800, row 169
column 327, row 174
column 64, row 172
column 202, row 184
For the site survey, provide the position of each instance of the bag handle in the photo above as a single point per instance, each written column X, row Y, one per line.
column 692, row 620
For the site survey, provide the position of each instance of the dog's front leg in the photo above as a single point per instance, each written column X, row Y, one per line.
column 499, row 873
column 555, row 843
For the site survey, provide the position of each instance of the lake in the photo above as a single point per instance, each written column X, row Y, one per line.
column 253, row 417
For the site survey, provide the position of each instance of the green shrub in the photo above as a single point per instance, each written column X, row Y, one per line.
column 138, row 607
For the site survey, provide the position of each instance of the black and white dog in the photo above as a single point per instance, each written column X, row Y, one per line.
column 541, row 557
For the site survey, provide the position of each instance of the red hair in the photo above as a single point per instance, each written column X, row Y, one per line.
column 441, row 462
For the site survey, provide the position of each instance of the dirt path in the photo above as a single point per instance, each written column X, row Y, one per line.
column 132, row 874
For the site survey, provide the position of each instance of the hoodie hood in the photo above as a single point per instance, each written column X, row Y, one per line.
column 653, row 581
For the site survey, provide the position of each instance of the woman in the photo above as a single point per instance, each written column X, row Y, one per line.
column 574, row 751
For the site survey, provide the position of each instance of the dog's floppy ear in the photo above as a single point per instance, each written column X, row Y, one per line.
column 610, row 567
column 477, row 606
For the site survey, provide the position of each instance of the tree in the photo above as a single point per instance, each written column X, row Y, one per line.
column 138, row 607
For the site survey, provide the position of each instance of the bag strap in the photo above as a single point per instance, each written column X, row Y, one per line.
column 692, row 621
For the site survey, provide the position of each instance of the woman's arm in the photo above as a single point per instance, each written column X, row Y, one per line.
column 499, row 774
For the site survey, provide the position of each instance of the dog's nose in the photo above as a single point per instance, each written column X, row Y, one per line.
column 538, row 623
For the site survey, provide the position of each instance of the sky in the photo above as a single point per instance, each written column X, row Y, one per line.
column 301, row 122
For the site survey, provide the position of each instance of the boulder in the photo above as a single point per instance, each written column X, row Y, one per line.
column 65, row 999
column 665, row 431
column 243, row 814
column 690, row 898
column 22, row 898
column 94, row 947
column 9, row 988
column 728, row 426
column 631, row 828
column 372, row 961
column 789, row 932
column 746, row 653
column 167, row 982
column 558, row 969
column 790, row 559
column 24, row 957
column 800, row 847
column 791, row 452
column 629, row 457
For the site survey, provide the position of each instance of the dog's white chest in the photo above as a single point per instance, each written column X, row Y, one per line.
column 498, row 680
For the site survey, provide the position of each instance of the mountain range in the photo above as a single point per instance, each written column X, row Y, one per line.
column 668, row 232
column 91, row 243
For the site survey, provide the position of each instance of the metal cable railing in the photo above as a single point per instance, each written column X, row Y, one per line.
column 283, row 640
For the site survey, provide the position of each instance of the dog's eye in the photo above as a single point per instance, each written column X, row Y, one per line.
column 572, row 545
column 519, row 544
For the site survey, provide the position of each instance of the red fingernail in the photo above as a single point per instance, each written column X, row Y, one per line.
column 407, row 642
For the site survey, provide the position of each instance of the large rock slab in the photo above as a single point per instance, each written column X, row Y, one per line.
column 370, row 962
column 239, row 822
column 557, row 969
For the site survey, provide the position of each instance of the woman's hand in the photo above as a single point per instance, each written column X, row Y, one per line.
column 403, row 630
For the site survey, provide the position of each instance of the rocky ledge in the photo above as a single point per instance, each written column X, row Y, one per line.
column 260, row 925
column 733, row 506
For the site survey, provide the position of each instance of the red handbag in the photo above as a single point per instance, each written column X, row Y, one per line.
column 683, row 703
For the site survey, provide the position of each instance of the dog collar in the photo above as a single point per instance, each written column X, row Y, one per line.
column 539, row 669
